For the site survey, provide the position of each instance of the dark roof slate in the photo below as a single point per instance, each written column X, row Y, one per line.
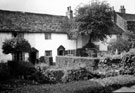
column 30, row 22
column 33, row 22
column 128, row 17
column 115, row 29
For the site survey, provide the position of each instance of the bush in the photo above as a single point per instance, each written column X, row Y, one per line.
column 27, row 71
column 110, row 66
column 79, row 74
column 54, row 75
column 128, row 63
column 116, row 82
column 105, row 85
column 21, row 68
column 100, row 85
column 42, row 59
column 4, row 71
column 69, row 74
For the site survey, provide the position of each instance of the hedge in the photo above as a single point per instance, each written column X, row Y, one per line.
column 27, row 71
column 4, row 72
column 105, row 85
column 69, row 75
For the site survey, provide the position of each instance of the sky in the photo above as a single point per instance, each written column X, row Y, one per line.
column 59, row 7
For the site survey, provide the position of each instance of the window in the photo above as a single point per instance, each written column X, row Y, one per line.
column 14, row 34
column 47, row 35
column 20, row 35
column 48, row 53
column 70, row 52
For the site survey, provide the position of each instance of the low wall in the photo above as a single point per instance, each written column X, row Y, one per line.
column 69, row 61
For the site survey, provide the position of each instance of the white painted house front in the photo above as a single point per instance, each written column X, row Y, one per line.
column 38, row 41
column 45, row 33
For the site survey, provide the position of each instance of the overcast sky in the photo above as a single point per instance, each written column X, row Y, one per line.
column 58, row 7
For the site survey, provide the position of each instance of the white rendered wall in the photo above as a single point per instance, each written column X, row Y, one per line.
column 103, row 46
column 38, row 41
column 3, row 37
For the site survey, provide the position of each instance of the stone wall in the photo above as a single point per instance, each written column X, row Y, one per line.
column 69, row 61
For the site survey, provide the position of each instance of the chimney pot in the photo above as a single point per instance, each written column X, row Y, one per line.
column 122, row 9
column 69, row 12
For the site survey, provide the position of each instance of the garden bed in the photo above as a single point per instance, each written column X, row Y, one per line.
column 87, row 86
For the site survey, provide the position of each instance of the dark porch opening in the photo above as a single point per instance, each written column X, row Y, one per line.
column 33, row 55
column 61, row 50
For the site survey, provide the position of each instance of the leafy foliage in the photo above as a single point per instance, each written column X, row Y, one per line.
column 27, row 71
column 120, row 44
column 4, row 72
column 90, row 86
column 16, row 45
column 130, row 37
column 95, row 20
column 128, row 63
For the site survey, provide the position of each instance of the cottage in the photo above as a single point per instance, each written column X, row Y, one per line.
column 48, row 34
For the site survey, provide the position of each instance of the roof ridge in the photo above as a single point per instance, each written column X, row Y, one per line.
column 126, row 16
column 33, row 13
column 125, row 13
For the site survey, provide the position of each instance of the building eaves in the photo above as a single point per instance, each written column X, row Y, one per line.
column 127, row 17
column 30, row 22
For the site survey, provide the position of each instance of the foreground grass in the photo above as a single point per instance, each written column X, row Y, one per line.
column 72, row 87
column 90, row 86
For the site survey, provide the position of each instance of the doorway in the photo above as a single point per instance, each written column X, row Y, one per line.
column 33, row 55
column 61, row 51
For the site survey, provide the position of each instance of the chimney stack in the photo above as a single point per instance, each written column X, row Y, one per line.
column 122, row 9
column 69, row 12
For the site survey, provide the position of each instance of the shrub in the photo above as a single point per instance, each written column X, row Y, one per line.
column 69, row 74
column 79, row 74
column 128, row 63
column 42, row 59
column 110, row 66
column 117, row 81
column 27, row 71
column 54, row 75
column 105, row 85
column 21, row 68
column 4, row 71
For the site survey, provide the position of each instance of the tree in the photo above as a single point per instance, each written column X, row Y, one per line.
column 120, row 44
column 130, row 37
column 16, row 46
column 95, row 20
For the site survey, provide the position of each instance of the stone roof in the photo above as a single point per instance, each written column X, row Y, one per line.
column 116, row 29
column 31, row 22
column 128, row 17
column 40, row 23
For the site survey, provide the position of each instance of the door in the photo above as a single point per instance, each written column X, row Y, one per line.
column 61, row 51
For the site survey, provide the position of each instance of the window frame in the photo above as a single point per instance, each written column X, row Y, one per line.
column 15, row 34
column 49, row 53
column 48, row 36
